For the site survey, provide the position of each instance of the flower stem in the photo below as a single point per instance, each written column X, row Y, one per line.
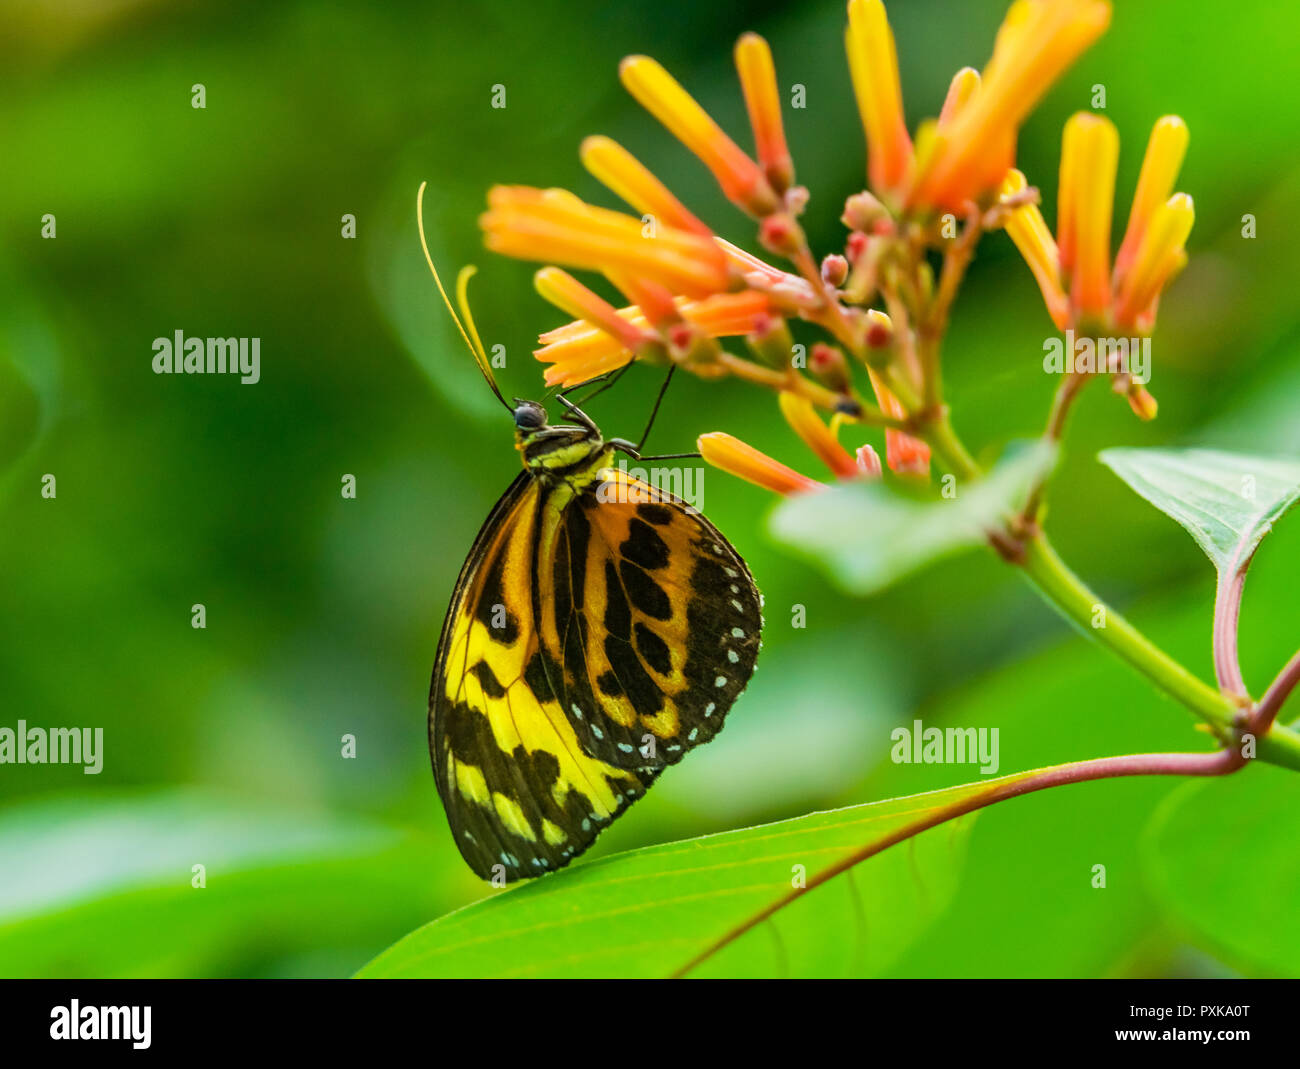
column 940, row 436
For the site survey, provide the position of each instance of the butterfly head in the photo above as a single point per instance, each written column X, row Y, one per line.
column 529, row 416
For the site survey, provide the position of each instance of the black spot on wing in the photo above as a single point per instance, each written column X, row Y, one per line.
column 618, row 617
column 538, row 674
column 609, row 685
column 643, row 546
column 642, row 691
column 659, row 515
column 491, row 612
column 487, row 679
column 653, row 650
column 644, row 592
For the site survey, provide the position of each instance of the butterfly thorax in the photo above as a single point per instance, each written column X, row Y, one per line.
column 572, row 454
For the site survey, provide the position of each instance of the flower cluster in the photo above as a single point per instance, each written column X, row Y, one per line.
column 935, row 192
column 1082, row 290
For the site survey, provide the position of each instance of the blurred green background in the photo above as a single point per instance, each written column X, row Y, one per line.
column 222, row 745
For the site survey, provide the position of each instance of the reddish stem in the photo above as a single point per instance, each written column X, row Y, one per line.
column 1151, row 764
column 1227, row 610
column 1271, row 704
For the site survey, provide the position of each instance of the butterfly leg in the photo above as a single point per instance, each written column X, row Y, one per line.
column 578, row 414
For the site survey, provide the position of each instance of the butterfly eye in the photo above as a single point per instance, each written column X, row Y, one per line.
column 529, row 415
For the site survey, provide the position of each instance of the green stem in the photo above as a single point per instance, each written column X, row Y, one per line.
column 1071, row 597
column 1068, row 594
column 940, row 436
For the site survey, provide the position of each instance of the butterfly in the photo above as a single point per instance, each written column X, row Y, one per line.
column 599, row 630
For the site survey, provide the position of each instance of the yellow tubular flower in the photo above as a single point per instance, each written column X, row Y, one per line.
column 763, row 101
column 1027, row 228
column 659, row 93
column 1159, row 256
column 802, row 416
column 626, row 177
column 556, row 227
column 1160, row 166
column 745, row 462
column 873, row 67
column 1038, row 40
column 960, row 90
column 1087, row 198
column 578, row 351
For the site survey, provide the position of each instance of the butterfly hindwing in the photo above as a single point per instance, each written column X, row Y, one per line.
column 522, row 795
column 654, row 622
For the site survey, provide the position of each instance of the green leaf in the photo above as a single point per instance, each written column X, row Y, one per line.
column 1226, row 501
column 103, row 887
column 1222, row 862
column 869, row 534
column 648, row 912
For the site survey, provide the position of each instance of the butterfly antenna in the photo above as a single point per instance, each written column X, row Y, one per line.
column 471, row 335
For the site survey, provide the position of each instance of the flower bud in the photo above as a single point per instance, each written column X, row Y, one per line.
column 835, row 269
column 862, row 211
column 829, row 367
column 781, row 235
column 771, row 341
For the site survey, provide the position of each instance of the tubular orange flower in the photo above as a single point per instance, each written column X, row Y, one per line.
column 655, row 302
column 1159, row 256
column 656, row 90
column 761, row 274
column 579, row 351
column 571, row 296
column 1028, row 230
column 745, row 462
column 556, row 227
column 1160, row 166
column 1089, row 158
column 802, row 417
column 625, row 176
column 1038, row 40
column 873, row 66
column 903, row 452
column 762, row 99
